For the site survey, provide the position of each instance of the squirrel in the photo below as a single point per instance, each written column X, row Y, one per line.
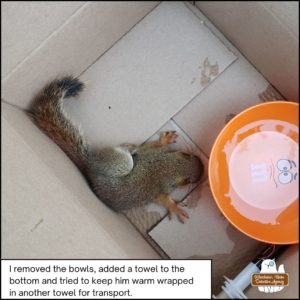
column 122, row 177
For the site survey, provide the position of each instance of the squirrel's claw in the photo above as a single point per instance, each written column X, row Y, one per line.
column 168, row 137
column 183, row 204
column 182, row 215
column 179, row 211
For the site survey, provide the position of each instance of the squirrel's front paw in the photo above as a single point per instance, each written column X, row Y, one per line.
column 179, row 211
column 130, row 147
column 168, row 137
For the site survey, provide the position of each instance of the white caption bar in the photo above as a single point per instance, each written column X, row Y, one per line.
column 79, row 279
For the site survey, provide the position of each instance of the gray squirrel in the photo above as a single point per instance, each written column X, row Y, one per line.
column 122, row 177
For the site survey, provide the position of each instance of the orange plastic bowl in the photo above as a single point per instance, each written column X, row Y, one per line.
column 253, row 172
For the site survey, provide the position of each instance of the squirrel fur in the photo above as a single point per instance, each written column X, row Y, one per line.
column 122, row 177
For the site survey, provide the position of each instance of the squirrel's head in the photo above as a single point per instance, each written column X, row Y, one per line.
column 190, row 168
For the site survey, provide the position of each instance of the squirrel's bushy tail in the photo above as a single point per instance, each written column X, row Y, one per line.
column 48, row 113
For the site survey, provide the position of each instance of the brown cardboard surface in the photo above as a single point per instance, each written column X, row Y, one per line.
column 48, row 209
column 266, row 33
column 148, row 76
column 83, row 37
column 206, row 234
column 238, row 88
column 26, row 24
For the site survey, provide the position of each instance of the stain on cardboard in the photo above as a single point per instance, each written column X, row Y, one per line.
column 230, row 264
column 208, row 71
column 37, row 224
column 193, row 80
column 270, row 94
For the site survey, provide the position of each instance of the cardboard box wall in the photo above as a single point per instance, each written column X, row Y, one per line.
column 58, row 46
column 42, row 40
column 267, row 33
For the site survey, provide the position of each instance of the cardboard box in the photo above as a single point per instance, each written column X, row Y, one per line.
column 267, row 34
column 144, row 64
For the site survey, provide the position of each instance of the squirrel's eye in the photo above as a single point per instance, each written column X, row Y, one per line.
column 284, row 165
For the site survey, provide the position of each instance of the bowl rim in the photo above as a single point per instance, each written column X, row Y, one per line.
column 214, row 149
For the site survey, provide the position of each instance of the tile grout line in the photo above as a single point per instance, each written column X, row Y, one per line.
column 15, row 106
column 164, row 217
column 148, row 238
column 194, row 143
column 206, row 86
column 18, row 65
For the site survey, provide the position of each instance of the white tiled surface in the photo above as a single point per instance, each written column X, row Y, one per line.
column 148, row 76
column 85, row 36
column 267, row 34
column 25, row 24
column 236, row 89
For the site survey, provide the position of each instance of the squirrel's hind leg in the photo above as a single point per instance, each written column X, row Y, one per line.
column 172, row 207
